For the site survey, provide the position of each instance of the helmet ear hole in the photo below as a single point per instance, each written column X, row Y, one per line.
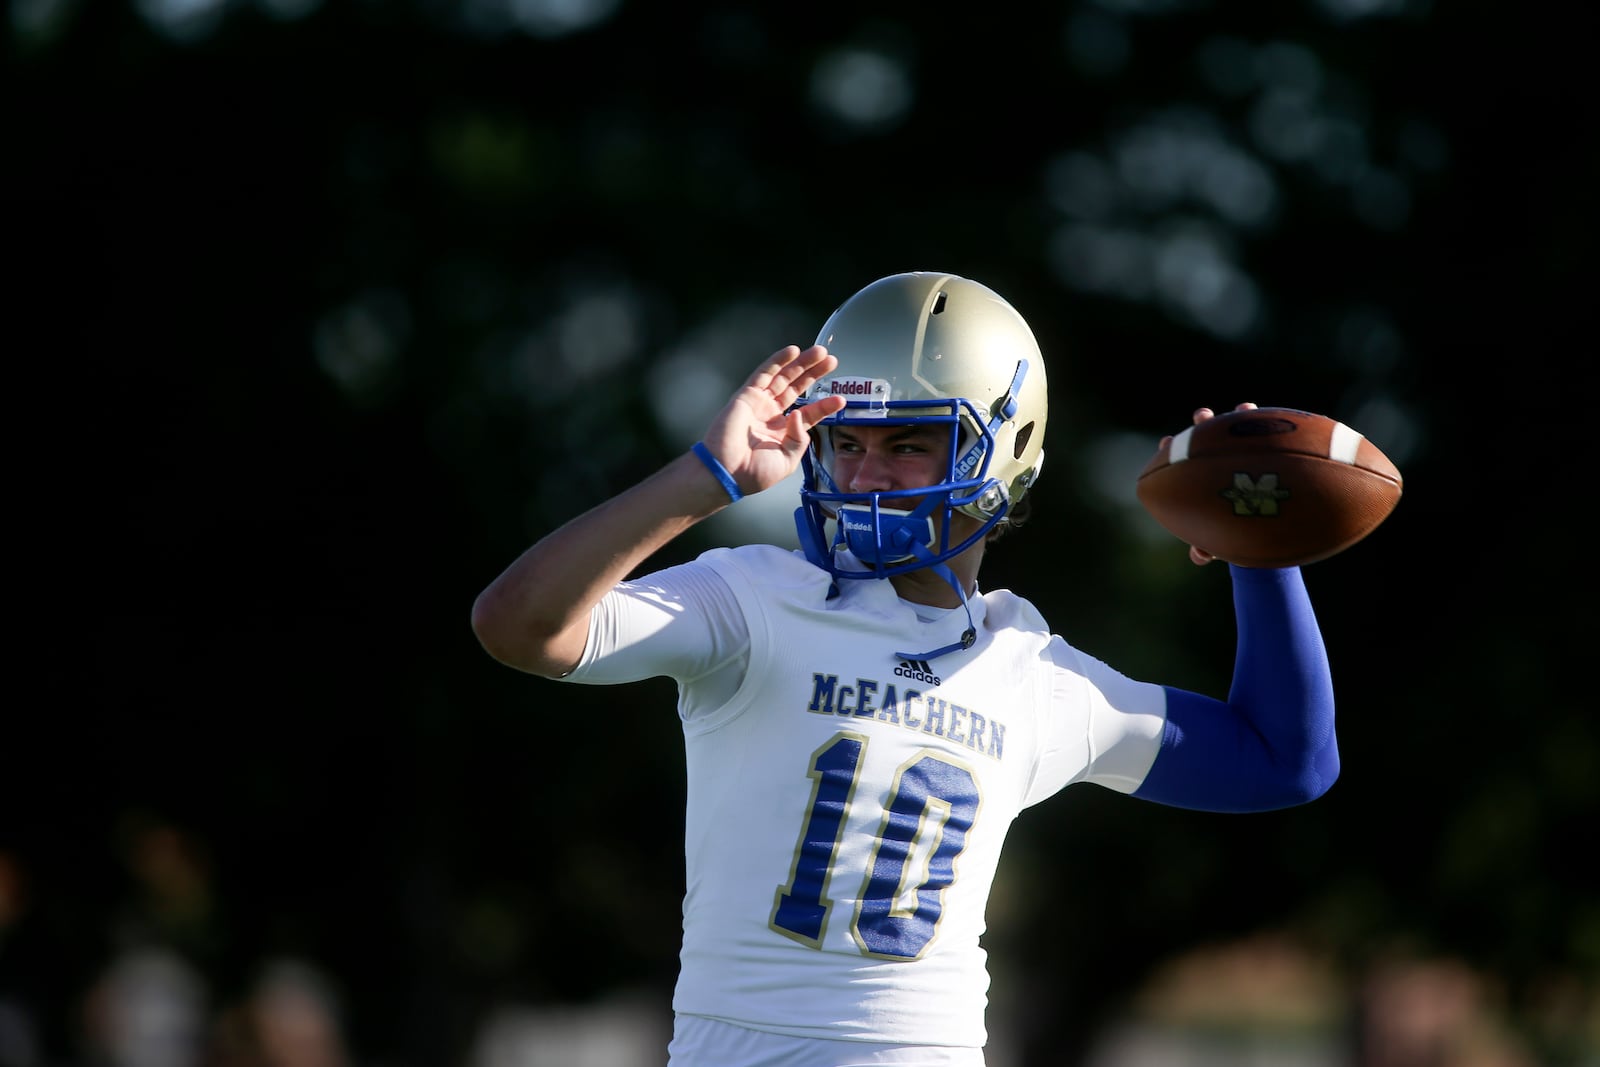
column 1020, row 444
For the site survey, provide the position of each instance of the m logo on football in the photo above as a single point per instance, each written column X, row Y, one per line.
column 1253, row 496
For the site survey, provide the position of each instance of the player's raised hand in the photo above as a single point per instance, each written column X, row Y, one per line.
column 756, row 437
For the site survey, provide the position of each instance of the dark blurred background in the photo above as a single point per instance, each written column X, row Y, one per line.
column 324, row 310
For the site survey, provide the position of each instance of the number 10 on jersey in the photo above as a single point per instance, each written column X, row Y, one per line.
column 931, row 808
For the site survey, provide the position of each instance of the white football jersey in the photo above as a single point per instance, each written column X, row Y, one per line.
column 847, row 804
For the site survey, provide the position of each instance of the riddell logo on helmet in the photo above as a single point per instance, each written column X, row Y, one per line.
column 854, row 388
column 968, row 462
column 856, row 524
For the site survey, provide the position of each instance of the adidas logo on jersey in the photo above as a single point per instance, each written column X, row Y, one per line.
column 918, row 670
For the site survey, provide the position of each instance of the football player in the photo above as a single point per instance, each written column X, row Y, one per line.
column 862, row 720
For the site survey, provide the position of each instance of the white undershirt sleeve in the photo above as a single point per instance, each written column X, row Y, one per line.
column 1103, row 726
column 682, row 622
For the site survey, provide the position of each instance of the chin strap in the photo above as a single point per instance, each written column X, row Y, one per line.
column 812, row 546
column 810, row 543
column 969, row 637
column 818, row 555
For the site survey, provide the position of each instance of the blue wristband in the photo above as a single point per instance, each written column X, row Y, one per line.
column 719, row 470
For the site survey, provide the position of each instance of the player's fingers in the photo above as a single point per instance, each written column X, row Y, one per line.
column 1200, row 556
column 791, row 371
column 795, row 437
column 807, row 416
column 804, row 368
column 772, row 367
column 808, row 367
column 1202, row 414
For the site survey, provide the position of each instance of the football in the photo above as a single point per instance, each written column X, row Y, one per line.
column 1269, row 487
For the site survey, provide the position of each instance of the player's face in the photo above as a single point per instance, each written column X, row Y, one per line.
column 877, row 459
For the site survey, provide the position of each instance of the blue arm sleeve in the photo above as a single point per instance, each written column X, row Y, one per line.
column 1272, row 744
